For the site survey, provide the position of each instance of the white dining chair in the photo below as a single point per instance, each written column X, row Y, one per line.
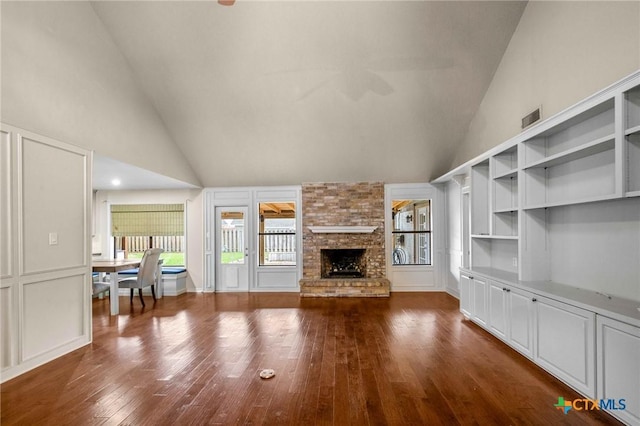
column 100, row 287
column 147, row 274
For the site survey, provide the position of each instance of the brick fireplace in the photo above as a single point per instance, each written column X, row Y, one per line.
column 347, row 218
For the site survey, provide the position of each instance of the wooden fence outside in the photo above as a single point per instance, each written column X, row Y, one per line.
column 232, row 241
column 279, row 243
column 171, row 244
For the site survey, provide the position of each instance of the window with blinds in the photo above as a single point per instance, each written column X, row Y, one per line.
column 138, row 227
column 129, row 220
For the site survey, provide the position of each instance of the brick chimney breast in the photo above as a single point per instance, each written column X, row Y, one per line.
column 343, row 204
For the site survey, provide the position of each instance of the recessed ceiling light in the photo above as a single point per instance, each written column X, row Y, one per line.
column 115, row 182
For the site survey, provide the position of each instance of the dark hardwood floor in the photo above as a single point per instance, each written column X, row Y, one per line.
column 410, row 359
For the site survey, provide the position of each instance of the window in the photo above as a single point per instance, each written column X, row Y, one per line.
column 277, row 234
column 232, row 242
column 411, row 232
column 138, row 227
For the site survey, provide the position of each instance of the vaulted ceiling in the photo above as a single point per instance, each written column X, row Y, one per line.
column 287, row 92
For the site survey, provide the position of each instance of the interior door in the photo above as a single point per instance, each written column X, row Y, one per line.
column 232, row 249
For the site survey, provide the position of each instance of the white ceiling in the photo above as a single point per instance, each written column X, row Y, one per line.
column 271, row 93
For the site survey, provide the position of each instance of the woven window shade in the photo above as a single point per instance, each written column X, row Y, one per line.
column 139, row 220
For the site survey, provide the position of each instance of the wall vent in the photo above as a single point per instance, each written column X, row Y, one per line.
column 531, row 118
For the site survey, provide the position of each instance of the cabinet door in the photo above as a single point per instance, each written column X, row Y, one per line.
column 619, row 367
column 479, row 297
column 565, row 343
column 520, row 318
column 498, row 309
column 465, row 295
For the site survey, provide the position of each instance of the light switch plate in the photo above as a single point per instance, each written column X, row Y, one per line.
column 53, row 238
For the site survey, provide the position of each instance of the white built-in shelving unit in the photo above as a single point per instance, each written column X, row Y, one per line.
column 555, row 244
column 632, row 141
column 572, row 162
column 563, row 189
column 494, row 203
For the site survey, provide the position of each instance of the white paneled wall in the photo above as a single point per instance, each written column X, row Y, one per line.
column 418, row 277
column 453, row 217
column 262, row 278
column 8, row 261
column 45, row 258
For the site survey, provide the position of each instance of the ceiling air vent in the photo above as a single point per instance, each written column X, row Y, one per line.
column 531, row 118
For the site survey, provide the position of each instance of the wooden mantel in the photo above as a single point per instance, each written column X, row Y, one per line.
column 342, row 229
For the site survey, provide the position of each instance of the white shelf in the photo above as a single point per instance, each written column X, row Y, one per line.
column 595, row 147
column 632, row 131
column 632, row 98
column 505, row 223
column 633, row 162
column 507, row 210
column 571, row 202
column 507, row 175
column 504, row 163
column 496, row 237
column 504, row 191
column 594, row 124
column 495, row 251
column 480, row 198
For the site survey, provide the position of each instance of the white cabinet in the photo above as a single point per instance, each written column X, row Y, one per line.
column 557, row 336
column 520, row 316
column 565, row 343
column 619, row 368
column 473, row 298
column 465, row 295
column 479, row 297
column 498, row 309
column 511, row 316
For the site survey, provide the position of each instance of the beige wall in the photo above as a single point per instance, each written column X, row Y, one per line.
column 560, row 53
column 63, row 77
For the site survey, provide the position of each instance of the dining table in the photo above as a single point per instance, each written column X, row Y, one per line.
column 113, row 267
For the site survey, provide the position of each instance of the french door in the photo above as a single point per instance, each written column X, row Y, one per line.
column 232, row 251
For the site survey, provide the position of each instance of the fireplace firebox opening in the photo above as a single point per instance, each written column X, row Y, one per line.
column 343, row 263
